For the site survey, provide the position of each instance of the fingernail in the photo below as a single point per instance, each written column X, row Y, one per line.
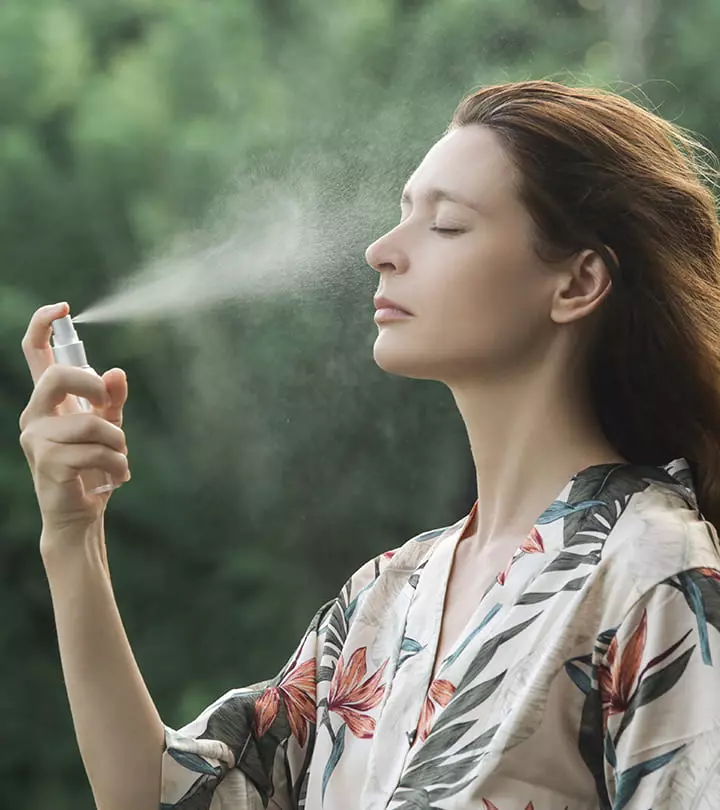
column 60, row 305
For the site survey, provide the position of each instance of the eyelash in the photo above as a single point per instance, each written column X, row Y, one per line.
column 446, row 231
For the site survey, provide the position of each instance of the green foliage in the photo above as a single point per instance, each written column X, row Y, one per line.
column 270, row 456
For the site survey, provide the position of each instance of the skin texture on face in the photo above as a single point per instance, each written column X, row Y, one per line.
column 466, row 269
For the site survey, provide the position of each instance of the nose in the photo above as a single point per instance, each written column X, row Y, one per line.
column 385, row 254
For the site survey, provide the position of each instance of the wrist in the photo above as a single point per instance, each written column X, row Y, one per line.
column 70, row 543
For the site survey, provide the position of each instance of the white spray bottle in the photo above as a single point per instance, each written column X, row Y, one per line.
column 70, row 351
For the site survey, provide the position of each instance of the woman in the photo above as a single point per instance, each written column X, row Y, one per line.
column 556, row 265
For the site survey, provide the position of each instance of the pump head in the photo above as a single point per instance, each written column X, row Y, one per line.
column 67, row 347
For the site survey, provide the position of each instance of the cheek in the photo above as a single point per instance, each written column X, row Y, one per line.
column 492, row 309
column 480, row 296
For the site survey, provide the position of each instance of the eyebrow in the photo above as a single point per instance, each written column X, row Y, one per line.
column 434, row 195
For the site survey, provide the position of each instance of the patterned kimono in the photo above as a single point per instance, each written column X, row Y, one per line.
column 588, row 676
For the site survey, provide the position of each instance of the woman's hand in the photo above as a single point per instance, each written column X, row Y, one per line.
column 62, row 443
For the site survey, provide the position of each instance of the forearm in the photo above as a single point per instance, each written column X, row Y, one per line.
column 119, row 731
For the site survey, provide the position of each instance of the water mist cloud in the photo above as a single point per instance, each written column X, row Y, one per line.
column 267, row 254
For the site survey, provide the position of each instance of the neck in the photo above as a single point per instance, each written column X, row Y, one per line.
column 528, row 438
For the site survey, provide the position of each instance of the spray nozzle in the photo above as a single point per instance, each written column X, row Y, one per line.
column 67, row 346
column 64, row 331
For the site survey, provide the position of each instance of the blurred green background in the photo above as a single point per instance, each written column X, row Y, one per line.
column 270, row 456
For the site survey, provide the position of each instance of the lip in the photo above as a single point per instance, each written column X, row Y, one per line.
column 382, row 303
column 385, row 314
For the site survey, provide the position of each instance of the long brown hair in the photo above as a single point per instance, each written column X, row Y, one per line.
column 597, row 170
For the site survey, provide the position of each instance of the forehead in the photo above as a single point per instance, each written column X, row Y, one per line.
column 469, row 161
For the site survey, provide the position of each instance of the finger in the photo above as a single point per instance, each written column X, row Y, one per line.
column 36, row 342
column 55, row 383
column 79, row 428
column 116, row 383
column 63, row 462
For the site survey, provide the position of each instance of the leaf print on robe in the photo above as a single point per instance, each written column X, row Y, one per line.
column 620, row 688
column 532, row 544
column 440, row 692
column 629, row 780
column 701, row 589
column 617, row 678
column 297, row 692
column 351, row 697
column 598, row 497
column 436, row 766
column 619, row 673
column 408, row 648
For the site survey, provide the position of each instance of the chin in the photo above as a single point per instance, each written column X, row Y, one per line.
column 447, row 364
column 403, row 362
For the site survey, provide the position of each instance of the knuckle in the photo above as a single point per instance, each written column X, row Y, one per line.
column 57, row 372
column 83, row 428
column 104, row 431
column 98, row 453
column 27, row 436
column 52, row 376
column 92, row 425
column 27, row 338
column 120, row 438
column 108, row 433
column 25, row 442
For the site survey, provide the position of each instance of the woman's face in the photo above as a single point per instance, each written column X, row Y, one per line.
column 461, row 262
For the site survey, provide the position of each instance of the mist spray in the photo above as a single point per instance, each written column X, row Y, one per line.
column 69, row 350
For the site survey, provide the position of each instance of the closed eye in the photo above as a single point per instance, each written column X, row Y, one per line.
column 446, row 230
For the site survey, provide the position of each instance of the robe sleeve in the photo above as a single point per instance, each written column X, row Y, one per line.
column 659, row 688
column 255, row 743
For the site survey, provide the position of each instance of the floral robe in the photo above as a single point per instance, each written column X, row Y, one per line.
column 588, row 676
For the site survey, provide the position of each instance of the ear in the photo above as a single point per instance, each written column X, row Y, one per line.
column 583, row 285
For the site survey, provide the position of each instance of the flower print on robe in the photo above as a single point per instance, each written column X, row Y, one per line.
column 588, row 677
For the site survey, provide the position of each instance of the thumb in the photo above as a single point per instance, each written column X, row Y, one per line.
column 116, row 383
